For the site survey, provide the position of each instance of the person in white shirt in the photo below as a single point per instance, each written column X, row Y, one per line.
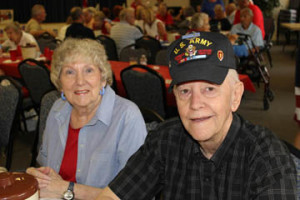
column 152, row 26
column 17, row 37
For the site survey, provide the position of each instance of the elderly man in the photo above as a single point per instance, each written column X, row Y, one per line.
column 17, row 37
column 258, row 18
column 247, row 27
column 125, row 33
column 210, row 152
column 33, row 26
column 209, row 5
column 77, row 29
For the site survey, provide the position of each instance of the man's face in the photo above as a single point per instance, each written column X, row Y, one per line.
column 13, row 36
column 243, row 3
column 162, row 9
column 246, row 18
column 42, row 15
column 206, row 109
column 131, row 18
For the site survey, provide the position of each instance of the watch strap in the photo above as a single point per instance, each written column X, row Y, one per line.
column 71, row 186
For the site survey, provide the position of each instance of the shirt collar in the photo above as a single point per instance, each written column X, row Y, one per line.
column 103, row 114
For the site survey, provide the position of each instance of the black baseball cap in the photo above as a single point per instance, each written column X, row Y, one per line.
column 200, row 56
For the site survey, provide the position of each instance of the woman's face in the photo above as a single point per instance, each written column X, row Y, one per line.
column 98, row 24
column 81, row 82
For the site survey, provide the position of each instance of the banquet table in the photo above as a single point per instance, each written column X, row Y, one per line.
column 11, row 69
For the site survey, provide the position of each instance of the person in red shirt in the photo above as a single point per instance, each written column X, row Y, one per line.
column 164, row 16
column 136, row 3
column 258, row 18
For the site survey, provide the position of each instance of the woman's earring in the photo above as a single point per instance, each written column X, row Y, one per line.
column 102, row 92
column 62, row 95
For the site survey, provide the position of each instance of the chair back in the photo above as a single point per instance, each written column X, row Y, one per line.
column 47, row 40
column 151, row 44
column 269, row 26
column 145, row 87
column 46, row 104
column 10, row 100
column 109, row 46
column 36, row 78
column 132, row 51
column 161, row 57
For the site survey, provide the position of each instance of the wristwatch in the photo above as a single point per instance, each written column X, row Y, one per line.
column 69, row 194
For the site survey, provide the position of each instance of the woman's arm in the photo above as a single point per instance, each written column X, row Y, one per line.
column 162, row 31
column 51, row 185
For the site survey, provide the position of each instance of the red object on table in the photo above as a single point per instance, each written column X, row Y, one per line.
column 13, row 54
column 11, row 69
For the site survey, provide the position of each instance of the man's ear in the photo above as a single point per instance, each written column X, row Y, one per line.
column 237, row 93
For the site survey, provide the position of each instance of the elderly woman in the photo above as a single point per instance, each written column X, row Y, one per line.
column 101, row 24
column 90, row 132
column 200, row 22
column 88, row 15
column 151, row 25
column 17, row 37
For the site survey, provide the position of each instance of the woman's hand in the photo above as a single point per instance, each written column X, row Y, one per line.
column 51, row 184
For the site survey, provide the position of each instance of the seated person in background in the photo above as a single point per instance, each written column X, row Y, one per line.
column 163, row 15
column 219, row 22
column 230, row 12
column 77, row 29
column 136, row 3
column 33, row 26
column 17, row 37
column 247, row 27
column 62, row 31
column 200, row 22
column 101, row 24
column 209, row 5
column 210, row 152
column 116, row 11
column 90, row 132
column 152, row 26
column 88, row 15
column 258, row 18
column 187, row 13
column 125, row 33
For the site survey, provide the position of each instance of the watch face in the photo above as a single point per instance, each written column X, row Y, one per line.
column 68, row 195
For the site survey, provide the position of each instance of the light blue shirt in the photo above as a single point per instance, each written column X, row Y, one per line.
column 104, row 144
column 253, row 31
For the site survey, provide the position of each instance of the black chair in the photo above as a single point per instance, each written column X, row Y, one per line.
column 145, row 87
column 161, row 57
column 133, row 51
column 46, row 105
column 150, row 115
column 47, row 40
column 109, row 46
column 269, row 29
column 36, row 78
column 151, row 44
column 10, row 101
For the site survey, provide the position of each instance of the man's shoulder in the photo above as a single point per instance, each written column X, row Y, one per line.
column 260, row 139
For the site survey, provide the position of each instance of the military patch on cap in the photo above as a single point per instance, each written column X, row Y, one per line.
column 220, row 54
column 192, row 47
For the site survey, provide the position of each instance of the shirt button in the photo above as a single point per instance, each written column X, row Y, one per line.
column 206, row 179
column 81, row 146
column 78, row 170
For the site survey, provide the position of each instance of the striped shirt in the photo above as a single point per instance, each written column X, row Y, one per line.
column 251, row 163
column 124, row 34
